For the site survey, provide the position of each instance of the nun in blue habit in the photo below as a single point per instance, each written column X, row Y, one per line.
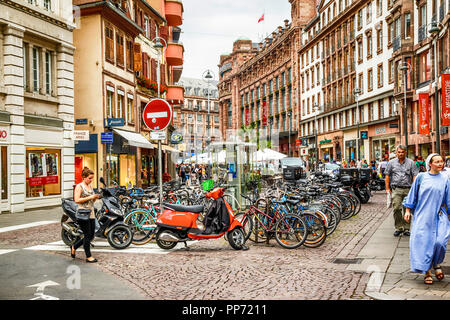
column 428, row 202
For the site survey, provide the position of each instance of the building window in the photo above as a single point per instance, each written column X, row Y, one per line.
column 380, row 109
column 130, row 57
column 380, row 39
column 359, row 19
column 424, row 66
column 379, row 7
column 109, row 44
column 369, row 46
column 371, row 112
column 391, row 32
column 109, row 101
column 48, row 72
column 360, row 83
column 380, row 75
column 119, row 49
column 36, row 69
column 120, row 103
column 360, row 51
column 146, row 27
column 369, row 79
column 407, row 25
column 391, row 71
column 130, row 111
column 369, row 12
column 47, row 5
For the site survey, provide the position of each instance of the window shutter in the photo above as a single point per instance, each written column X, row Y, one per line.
column 153, row 70
column 163, row 75
column 163, row 30
column 137, row 57
column 152, row 29
column 144, row 64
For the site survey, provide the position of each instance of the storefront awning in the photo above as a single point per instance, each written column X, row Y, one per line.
column 134, row 139
column 166, row 148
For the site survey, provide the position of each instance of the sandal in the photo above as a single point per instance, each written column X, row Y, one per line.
column 428, row 278
column 438, row 273
column 72, row 252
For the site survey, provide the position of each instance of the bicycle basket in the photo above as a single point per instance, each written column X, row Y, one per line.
column 207, row 185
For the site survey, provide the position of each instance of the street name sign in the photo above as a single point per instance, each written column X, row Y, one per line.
column 106, row 137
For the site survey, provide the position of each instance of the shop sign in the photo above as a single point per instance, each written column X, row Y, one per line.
column 304, row 142
column 445, row 99
column 4, row 132
column 298, row 142
column 264, row 113
column 364, row 134
column 80, row 135
column 424, row 113
column 81, row 121
column 106, row 137
column 114, row 122
column 380, row 130
column 393, row 125
column 325, row 141
column 176, row 138
column 42, row 168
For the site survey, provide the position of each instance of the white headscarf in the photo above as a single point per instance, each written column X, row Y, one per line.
column 427, row 162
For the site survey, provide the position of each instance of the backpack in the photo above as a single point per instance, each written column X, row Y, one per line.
column 421, row 166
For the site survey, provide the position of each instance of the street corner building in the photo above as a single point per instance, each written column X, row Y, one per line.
column 117, row 64
column 345, row 80
column 36, row 103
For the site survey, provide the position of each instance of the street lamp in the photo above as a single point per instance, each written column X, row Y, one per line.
column 357, row 92
column 208, row 76
column 316, row 108
column 159, row 47
column 434, row 30
column 406, row 67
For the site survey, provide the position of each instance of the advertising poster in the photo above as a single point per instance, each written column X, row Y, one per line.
column 424, row 113
column 36, row 166
column 445, row 99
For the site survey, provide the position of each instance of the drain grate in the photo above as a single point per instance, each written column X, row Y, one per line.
column 347, row 261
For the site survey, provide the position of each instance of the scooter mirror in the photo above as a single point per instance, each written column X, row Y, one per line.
column 102, row 181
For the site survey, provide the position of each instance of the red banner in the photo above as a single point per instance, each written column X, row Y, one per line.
column 37, row 181
column 424, row 113
column 264, row 113
column 247, row 116
column 445, row 90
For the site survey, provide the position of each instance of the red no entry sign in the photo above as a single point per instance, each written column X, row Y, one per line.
column 157, row 114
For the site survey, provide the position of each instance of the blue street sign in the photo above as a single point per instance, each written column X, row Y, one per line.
column 81, row 121
column 114, row 122
column 364, row 134
column 107, row 137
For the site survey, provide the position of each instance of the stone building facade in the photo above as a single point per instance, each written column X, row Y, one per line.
column 36, row 103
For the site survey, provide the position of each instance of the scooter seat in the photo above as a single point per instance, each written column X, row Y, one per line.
column 181, row 208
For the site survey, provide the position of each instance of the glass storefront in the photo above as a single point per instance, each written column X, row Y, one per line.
column 4, row 173
column 85, row 160
column 127, row 171
column 112, row 165
column 383, row 147
column 43, row 172
column 148, row 165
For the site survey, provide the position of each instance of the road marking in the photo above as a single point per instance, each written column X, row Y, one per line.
column 40, row 290
column 5, row 251
column 27, row 225
column 103, row 246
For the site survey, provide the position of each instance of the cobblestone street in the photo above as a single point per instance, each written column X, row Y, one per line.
column 213, row 270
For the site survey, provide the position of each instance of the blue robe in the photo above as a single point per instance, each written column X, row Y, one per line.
column 430, row 223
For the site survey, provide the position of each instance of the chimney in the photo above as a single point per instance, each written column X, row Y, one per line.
column 274, row 35
column 280, row 29
column 286, row 23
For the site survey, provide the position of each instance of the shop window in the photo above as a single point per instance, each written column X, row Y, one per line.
column 85, row 160
column 127, row 171
column 4, row 173
column 112, row 165
column 130, row 109
column 43, row 172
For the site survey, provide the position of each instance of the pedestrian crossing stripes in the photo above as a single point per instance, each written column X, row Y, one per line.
column 102, row 246
column 4, row 251
column 27, row 225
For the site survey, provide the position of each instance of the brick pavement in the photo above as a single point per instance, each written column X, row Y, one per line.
column 213, row 270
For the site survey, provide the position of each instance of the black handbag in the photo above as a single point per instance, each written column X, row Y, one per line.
column 83, row 214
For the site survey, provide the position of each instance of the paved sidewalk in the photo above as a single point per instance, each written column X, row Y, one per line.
column 30, row 216
column 386, row 258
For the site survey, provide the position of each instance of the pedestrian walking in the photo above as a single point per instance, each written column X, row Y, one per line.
column 420, row 164
column 85, row 197
column 183, row 173
column 400, row 173
column 383, row 165
column 428, row 204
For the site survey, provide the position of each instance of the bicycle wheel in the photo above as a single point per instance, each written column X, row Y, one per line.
column 142, row 225
column 317, row 232
column 332, row 220
column 290, row 231
column 247, row 224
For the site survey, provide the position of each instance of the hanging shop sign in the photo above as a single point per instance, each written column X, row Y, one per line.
column 424, row 113
column 114, row 122
column 247, row 116
column 176, row 138
column 445, row 99
column 364, row 135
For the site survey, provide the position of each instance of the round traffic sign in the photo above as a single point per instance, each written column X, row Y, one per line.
column 157, row 114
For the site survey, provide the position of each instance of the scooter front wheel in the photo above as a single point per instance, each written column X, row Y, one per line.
column 236, row 238
column 120, row 237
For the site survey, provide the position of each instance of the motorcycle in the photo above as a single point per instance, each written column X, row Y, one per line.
column 180, row 223
column 109, row 216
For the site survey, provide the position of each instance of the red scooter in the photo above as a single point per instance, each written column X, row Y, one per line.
column 180, row 223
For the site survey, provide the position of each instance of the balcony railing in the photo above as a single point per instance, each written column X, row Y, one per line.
column 396, row 43
column 422, row 33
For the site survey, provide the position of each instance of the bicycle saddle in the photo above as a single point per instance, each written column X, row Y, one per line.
column 181, row 208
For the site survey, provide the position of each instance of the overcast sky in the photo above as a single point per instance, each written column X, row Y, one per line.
column 211, row 26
